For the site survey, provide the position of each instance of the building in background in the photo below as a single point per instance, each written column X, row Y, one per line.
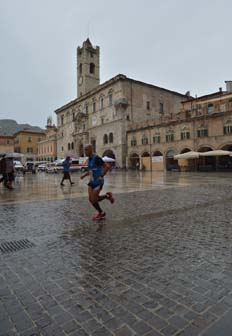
column 6, row 144
column 103, row 113
column 203, row 124
column 26, row 142
column 47, row 148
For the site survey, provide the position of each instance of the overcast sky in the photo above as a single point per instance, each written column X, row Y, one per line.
column 177, row 44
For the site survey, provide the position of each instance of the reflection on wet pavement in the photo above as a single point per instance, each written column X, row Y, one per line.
column 47, row 186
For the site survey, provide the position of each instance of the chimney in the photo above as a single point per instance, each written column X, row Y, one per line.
column 228, row 86
column 220, row 89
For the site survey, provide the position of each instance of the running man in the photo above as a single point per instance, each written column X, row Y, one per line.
column 66, row 166
column 97, row 169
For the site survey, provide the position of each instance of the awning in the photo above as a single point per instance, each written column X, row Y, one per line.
column 187, row 155
column 218, row 152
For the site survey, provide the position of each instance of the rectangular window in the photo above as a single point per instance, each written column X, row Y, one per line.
column 62, row 120
column 227, row 130
column 101, row 104
column 185, row 135
column 156, row 139
column 145, row 141
column 17, row 150
column 210, row 108
column 148, row 105
column 133, row 142
column 29, row 150
column 161, row 108
column 94, row 107
column 202, row 133
column 86, row 109
column 169, row 137
column 110, row 99
column 29, row 139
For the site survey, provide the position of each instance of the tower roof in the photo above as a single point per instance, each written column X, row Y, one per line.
column 88, row 43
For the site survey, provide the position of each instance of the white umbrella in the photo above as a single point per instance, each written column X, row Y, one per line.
column 108, row 159
column 187, row 155
column 14, row 155
column 217, row 152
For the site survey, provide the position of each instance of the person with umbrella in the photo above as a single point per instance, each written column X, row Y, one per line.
column 97, row 169
column 8, row 171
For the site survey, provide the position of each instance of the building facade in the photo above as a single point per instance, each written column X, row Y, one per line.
column 26, row 142
column 202, row 124
column 103, row 113
column 6, row 144
column 47, row 148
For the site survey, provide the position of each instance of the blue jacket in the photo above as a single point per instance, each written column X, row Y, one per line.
column 66, row 165
column 94, row 170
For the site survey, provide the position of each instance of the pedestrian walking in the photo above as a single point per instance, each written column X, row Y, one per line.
column 97, row 169
column 66, row 171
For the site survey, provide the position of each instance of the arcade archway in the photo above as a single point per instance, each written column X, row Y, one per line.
column 224, row 163
column 206, row 163
column 171, row 163
column 134, row 161
column 145, row 161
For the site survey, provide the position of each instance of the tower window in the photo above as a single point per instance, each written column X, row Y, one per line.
column 148, row 105
column 161, row 107
column 92, row 68
column 111, row 138
column 105, row 139
column 80, row 68
column 62, row 120
column 102, row 103
column 110, row 99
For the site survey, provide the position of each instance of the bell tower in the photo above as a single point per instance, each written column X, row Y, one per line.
column 88, row 68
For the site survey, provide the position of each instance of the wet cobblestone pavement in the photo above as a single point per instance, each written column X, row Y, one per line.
column 160, row 264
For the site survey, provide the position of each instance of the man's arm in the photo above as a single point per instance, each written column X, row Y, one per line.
column 105, row 170
column 84, row 175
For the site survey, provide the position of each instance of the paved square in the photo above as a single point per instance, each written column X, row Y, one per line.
column 160, row 264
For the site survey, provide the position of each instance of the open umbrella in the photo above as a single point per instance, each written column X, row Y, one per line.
column 108, row 159
column 187, row 155
column 14, row 155
column 217, row 152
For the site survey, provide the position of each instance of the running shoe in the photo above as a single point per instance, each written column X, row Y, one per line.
column 99, row 216
column 110, row 197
